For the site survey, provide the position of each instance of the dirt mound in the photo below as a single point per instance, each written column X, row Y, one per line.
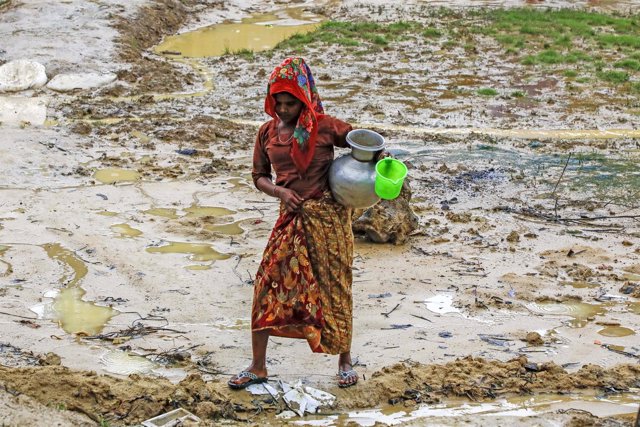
column 146, row 29
column 136, row 398
column 479, row 379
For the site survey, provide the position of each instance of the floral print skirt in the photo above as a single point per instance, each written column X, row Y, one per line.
column 303, row 284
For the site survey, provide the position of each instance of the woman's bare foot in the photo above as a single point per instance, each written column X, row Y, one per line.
column 347, row 375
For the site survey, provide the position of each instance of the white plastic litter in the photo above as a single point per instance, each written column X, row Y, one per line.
column 170, row 419
column 21, row 75
column 73, row 81
column 299, row 398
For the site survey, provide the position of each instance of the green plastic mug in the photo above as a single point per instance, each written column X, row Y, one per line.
column 390, row 175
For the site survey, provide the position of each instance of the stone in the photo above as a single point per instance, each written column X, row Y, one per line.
column 73, row 81
column 17, row 110
column 389, row 220
column 21, row 75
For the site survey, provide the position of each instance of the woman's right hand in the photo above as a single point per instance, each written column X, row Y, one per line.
column 292, row 201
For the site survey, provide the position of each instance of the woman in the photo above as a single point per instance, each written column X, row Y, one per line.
column 303, row 284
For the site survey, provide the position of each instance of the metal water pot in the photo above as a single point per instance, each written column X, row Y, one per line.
column 352, row 176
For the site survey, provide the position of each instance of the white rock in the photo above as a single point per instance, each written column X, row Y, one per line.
column 15, row 110
column 20, row 75
column 66, row 82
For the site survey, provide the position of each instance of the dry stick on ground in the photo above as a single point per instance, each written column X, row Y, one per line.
column 555, row 207
column 17, row 315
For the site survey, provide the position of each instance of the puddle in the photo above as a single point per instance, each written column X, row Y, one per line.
column 236, row 325
column 441, row 303
column 108, row 213
column 197, row 251
column 579, row 284
column 68, row 309
column 257, row 33
column 228, row 229
column 579, row 311
column 237, row 183
column 113, row 175
column 144, row 139
column 616, row 331
column 124, row 363
column 634, row 307
column 204, row 211
column 198, row 267
column 516, row 407
column 125, row 230
column 8, row 269
column 163, row 212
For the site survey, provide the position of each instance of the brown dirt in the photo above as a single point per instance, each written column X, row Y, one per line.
column 136, row 398
column 151, row 23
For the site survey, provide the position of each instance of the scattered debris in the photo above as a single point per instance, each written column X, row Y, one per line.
column 174, row 418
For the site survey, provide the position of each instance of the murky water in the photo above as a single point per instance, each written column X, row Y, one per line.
column 124, row 363
column 163, row 212
column 196, row 251
column 125, row 230
column 229, row 229
column 113, row 175
column 68, row 308
column 256, row 33
column 515, row 407
column 108, row 213
column 579, row 312
column 204, row 211
column 616, row 331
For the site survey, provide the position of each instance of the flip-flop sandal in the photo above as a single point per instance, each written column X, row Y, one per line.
column 253, row 379
column 346, row 375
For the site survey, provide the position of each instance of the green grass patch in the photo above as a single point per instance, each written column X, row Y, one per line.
column 629, row 64
column 243, row 53
column 613, row 76
column 518, row 94
column 620, row 40
column 635, row 87
column 431, row 33
column 486, row 91
column 570, row 73
column 353, row 34
column 552, row 56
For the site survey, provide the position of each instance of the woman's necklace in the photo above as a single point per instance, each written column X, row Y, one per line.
column 288, row 139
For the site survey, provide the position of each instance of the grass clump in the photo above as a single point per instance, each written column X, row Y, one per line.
column 352, row 34
column 630, row 64
column 431, row 33
column 570, row 73
column 613, row 76
column 486, row 91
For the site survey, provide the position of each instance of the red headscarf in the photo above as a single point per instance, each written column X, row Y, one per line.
column 294, row 77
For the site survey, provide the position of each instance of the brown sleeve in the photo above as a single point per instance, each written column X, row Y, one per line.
column 261, row 163
column 340, row 129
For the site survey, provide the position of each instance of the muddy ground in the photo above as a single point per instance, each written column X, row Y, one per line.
column 531, row 234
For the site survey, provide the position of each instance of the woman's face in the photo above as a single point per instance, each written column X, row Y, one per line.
column 288, row 107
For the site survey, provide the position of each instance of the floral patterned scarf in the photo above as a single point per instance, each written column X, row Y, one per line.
column 294, row 77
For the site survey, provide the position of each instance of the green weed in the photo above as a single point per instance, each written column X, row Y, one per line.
column 612, row 76
column 570, row 73
column 431, row 33
column 517, row 94
column 485, row 91
column 630, row 64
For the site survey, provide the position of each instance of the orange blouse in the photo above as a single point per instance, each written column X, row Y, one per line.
column 270, row 153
